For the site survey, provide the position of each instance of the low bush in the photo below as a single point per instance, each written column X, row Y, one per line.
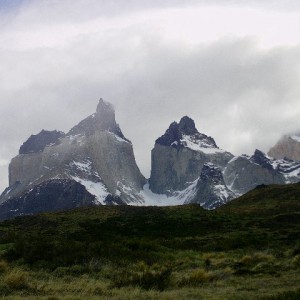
column 17, row 279
column 4, row 290
column 296, row 261
column 144, row 276
column 265, row 268
column 289, row 295
column 197, row 277
column 3, row 266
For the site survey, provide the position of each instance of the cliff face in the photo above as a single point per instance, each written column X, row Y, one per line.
column 94, row 153
column 287, row 147
column 178, row 158
column 173, row 168
column 188, row 167
column 244, row 173
column 212, row 191
column 94, row 164
column 103, row 120
column 37, row 143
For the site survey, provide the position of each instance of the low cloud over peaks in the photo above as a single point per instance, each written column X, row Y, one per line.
column 243, row 95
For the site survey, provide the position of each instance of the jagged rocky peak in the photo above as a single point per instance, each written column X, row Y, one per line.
column 212, row 173
column 261, row 159
column 211, row 188
column 179, row 155
column 187, row 126
column 105, row 108
column 185, row 134
column 102, row 120
column 37, row 143
column 244, row 173
column 94, row 154
column 287, row 147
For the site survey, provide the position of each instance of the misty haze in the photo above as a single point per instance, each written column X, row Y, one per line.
column 150, row 149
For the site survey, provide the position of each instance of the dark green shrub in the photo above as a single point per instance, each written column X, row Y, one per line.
column 289, row 295
column 3, row 266
column 296, row 261
column 4, row 290
column 155, row 279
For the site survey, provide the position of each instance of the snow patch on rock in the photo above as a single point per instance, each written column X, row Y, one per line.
column 222, row 192
column 85, row 166
column 118, row 138
column 296, row 138
column 199, row 145
column 178, row 197
column 97, row 189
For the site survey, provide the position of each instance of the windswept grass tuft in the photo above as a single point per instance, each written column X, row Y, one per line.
column 3, row 266
column 289, row 295
column 17, row 279
column 144, row 276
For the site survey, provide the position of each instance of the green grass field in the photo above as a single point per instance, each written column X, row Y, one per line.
column 247, row 249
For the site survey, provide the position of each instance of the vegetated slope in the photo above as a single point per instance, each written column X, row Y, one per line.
column 247, row 249
column 266, row 200
column 123, row 231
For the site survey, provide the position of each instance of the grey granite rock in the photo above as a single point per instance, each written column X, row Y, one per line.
column 102, row 120
column 94, row 153
column 244, row 173
column 212, row 191
column 52, row 195
column 287, row 147
column 179, row 155
column 37, row 143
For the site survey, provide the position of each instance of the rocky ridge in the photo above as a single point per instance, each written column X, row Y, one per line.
column 189, row 167
column 94, row 153
column 94, row 164
column 287, row 147
column 179, row 155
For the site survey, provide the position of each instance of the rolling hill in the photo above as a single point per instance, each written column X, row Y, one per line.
column 247, row 248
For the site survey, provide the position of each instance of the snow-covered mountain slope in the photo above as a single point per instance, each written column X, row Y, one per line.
column 208, row 190
column 185, row 134
column 244, row 172
column 182, row 156
column 177, row 198
column 212, row 191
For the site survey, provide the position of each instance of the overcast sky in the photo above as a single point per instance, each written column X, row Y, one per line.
column 234, row 68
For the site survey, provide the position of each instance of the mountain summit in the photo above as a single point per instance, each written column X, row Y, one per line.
column 185, row 134
column 103, row 120
column 94, row 164
column 94, row 154
column 178, row 158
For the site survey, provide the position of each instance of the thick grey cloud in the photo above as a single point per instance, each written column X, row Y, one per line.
column 242, row 95
column 120, row 6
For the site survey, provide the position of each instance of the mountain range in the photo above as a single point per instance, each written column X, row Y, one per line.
column 94, row 164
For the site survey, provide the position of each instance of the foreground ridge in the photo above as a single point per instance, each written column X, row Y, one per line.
column 158, row 252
